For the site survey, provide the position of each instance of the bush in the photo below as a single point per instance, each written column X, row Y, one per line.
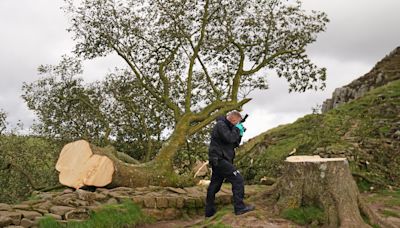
column 27, row 163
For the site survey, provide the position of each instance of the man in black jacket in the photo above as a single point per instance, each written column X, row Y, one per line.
column 225, row 137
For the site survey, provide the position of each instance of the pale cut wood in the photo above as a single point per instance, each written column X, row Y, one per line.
column 315, row 158
column 79, row 166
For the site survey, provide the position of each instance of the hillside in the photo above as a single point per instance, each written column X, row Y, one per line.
column 365, row 130
column 385, row 71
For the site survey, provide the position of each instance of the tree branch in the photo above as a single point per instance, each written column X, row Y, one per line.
column 193, row 58
column 208, row 114
column 239, row 72
column 269, row 59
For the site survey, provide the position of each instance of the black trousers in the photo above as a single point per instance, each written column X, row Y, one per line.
column 225, row 170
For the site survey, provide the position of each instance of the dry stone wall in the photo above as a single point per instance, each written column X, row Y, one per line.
column 163, row 203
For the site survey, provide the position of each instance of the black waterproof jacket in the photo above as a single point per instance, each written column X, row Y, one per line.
column 225, row 137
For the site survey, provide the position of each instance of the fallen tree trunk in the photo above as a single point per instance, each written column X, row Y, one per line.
column 325, row 183
column 82, row 164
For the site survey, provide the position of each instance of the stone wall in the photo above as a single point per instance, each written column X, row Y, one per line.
column 385, row 71
column 162, row 203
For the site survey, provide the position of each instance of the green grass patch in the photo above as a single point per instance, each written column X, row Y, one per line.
column 305, row 215
column 216, row 220
column 364, row 186
column 218, row 225
column 388, row 198
column 48, row 222
column 115, row 216
column 389, row 213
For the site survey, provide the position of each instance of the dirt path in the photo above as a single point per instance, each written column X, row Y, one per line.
column 259, row 218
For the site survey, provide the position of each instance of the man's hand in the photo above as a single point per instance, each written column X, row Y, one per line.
column 241, row 128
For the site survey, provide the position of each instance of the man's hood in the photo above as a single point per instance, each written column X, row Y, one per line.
column 220, row 118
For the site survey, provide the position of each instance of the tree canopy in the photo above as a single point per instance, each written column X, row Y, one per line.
column 187, row 62
column 210, row 51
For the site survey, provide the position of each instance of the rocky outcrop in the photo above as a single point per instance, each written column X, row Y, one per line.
column 163, row 203
column 385, row 71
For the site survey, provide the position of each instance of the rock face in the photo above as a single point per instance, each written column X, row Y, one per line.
column 160, row 202
column 385, row 71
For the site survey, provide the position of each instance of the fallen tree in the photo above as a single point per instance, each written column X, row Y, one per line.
column 82, row 164
column 196, row 59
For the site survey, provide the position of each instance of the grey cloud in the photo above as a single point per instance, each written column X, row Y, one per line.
column 360, row 33
column 358, row 29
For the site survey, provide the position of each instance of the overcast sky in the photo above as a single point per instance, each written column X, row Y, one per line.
column 360, row 33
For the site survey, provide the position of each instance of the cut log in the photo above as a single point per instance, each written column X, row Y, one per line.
column 326, row 183
column 79, row 166
column 83, row 164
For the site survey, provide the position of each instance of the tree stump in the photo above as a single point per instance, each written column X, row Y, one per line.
column 326, row 183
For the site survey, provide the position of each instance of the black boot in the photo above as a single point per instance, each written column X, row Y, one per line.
column 245, row 210
column 210, row 212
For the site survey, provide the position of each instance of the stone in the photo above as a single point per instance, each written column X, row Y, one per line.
column 68, row 190
column 32, row 202
column 138, row 200
column 180, row 202
column 161, row 202
column 78, row 214
column 15, row 216
column 43, row 206
column 176, row 190
column 22, row 207
column 29, row 214
column 190, row 202
column 172, row 213
column 60, row 210
column 123, row 198
column 149, row 202
column 171, row 202
column 99, row 196
column 78, row 203
column 118, row 194
column 26, row 223
column 5, row 207
column 194, row 191
column 200, row 201
column 65, row 199
column 122, row 189
column 5, row 221
column 156, row 213
column 46, row 195
column 225, row 198
column 111, row 201
column 41, row 211
column 85, row 195
column 102, row 190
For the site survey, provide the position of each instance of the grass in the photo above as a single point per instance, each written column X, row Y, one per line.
column 362, row 122
column 388, row 198
column 389, row 213
column 305, row 215
column 109, row 216
column 216, row 220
